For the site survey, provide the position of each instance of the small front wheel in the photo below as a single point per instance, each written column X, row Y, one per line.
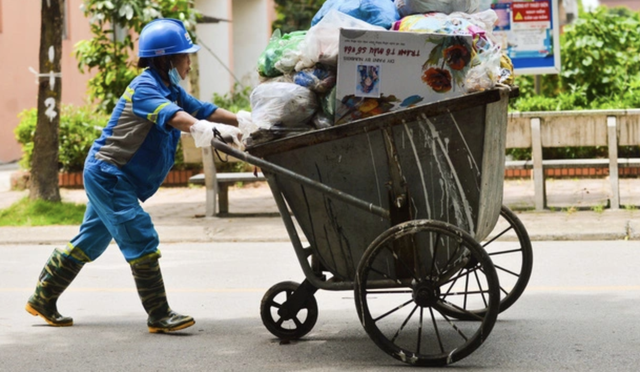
column 279, row 318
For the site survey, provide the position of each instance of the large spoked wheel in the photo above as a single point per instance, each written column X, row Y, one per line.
column 405, row 279
column 280, row 320
column 509, row 247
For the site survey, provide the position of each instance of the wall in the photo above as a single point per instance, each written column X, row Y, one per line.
column 237, row 44
column 216, row 42
column 19, row 48
column 251, row 33
column 631, row 4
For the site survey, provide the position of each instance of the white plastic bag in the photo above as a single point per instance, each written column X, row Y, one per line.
column 283, row 104
column 321, row 42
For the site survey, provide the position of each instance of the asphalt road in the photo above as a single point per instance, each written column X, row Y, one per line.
column 579, row 313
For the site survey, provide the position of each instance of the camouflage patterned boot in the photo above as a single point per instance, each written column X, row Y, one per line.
column 150, row 286
column 57, row 274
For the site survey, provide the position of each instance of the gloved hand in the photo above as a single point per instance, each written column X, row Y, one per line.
column 202, row 132
column 245, row 124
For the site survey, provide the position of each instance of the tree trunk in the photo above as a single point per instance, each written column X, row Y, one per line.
column 44, row 163
column 194, row 76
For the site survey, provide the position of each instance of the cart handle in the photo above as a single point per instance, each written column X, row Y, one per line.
column 265, row 165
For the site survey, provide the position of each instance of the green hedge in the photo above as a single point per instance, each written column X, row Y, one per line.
column 79, row 127
column 600, row 58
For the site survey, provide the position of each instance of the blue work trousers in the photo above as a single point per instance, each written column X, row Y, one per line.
column 114, row 212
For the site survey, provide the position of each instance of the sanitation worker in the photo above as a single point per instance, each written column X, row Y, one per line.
column 126, row 165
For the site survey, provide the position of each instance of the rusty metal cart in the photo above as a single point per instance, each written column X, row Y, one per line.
column 405, row 210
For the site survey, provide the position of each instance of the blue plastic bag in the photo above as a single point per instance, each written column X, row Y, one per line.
column 376, row 12
column 318, row 79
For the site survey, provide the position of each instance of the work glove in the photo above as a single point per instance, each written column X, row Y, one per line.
column 245, row 124
column 202, row 132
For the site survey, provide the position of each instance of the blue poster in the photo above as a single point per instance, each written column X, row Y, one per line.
column 528, row 32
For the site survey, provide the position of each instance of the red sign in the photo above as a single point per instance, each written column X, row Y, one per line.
column 536, row 11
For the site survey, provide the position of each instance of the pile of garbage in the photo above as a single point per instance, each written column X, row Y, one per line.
column 298, row 69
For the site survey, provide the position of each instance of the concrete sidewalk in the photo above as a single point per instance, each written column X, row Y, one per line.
column 576, row 213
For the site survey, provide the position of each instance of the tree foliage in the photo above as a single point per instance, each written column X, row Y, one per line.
column 115, row 26
column 294, row 15
column 600, row 54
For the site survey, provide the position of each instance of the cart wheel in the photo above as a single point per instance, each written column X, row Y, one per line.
column 406, row 277
column 278, row 319
column 513, row 261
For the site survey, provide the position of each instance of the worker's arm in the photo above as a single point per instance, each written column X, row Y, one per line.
column 202, row 130
column 223, row 116
column 182, row 121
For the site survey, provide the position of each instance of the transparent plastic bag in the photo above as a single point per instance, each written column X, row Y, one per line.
column 321, row 121
column 320, row 45
column 282, row 104
column 485, row 73
column 328, row 103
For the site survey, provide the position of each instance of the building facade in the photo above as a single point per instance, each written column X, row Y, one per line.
column 631, row 4
column 230, row 49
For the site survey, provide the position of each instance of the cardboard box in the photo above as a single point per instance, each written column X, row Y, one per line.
column 386, row 71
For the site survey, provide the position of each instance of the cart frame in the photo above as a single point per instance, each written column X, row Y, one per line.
column 495, row 100
column 424, row 254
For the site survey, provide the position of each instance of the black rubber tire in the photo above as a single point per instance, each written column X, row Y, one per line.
column 276, row 323
column 513, row 261
column 387, row 287
column 509, row 297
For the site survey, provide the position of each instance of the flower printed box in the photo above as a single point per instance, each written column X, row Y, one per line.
column 385, row 71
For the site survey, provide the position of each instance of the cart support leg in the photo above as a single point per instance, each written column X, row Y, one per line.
column 293, row 305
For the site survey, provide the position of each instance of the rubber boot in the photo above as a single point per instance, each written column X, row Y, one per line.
column 57, row 274
column 150, row 286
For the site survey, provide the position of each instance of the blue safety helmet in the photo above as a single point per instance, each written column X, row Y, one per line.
column 165, row 36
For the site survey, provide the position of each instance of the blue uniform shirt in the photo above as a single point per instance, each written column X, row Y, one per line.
column 137, row 143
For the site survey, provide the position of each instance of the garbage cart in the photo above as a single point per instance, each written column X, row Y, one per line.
column 405, row 209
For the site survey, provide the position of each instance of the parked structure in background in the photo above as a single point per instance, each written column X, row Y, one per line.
column 231, row 50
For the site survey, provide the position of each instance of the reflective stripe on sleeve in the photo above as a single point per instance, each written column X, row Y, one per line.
column 128, row 93
column 154, row 115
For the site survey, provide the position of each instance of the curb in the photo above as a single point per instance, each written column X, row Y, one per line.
column 580, row 226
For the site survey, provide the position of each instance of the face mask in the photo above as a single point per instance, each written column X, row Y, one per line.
column 174, row 76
